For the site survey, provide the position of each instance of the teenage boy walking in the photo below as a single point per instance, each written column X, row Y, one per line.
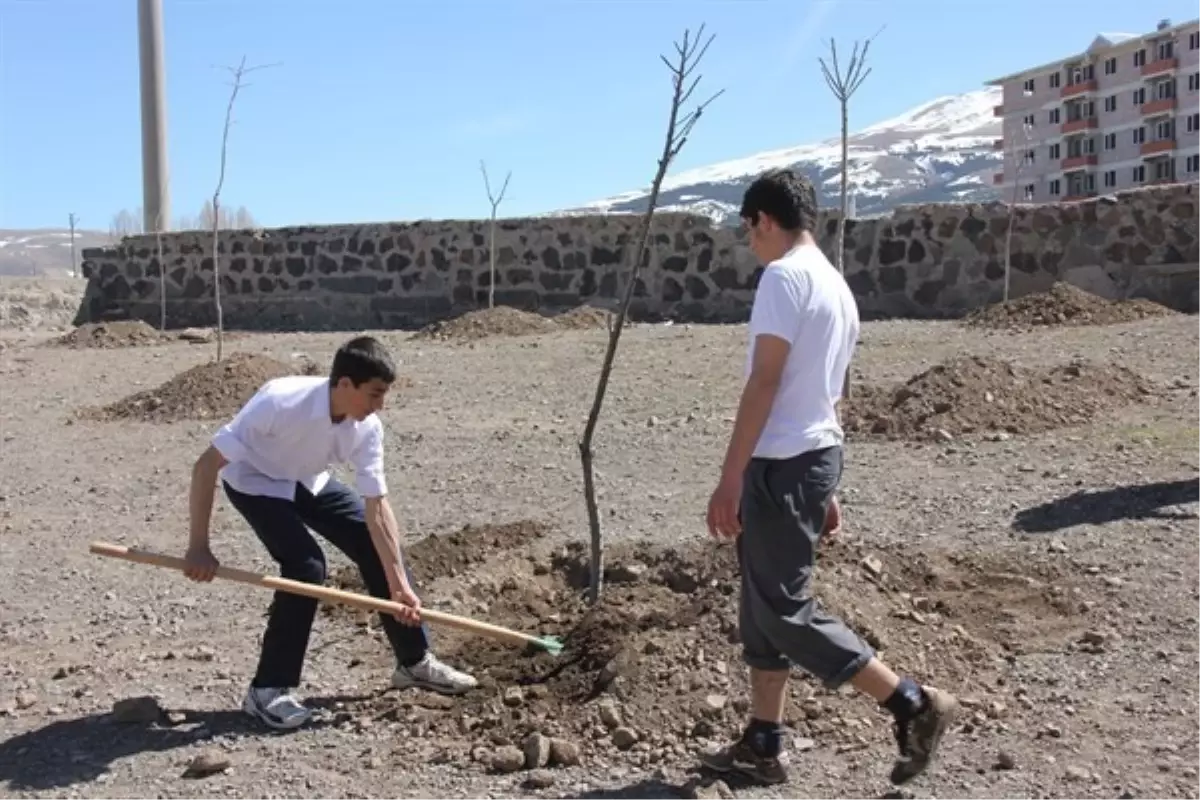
column 273, row 459
column 783, row 463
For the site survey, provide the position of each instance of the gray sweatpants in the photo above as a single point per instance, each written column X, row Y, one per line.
column 783, row 508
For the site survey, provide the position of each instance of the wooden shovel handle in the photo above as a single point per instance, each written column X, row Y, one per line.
column 326, row 593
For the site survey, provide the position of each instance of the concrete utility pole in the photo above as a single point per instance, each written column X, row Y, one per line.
column 156, row 205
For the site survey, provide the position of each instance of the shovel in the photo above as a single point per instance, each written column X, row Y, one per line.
column 548, row 643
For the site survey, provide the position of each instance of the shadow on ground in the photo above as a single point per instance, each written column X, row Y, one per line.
column 1144, row 501
column 73, row 751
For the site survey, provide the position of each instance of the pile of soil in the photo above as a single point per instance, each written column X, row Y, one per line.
column 107, row 335
column 585, row 318
column 1064, row 304
column 213, row 390
column 481, row 324
column 653, row 674
column 973, row 394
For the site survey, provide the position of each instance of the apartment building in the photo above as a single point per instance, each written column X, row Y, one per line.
column 1124, row 113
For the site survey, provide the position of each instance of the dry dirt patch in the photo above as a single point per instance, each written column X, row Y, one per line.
column 215, row 389
column 1064, row 304
column 974, row 394
column 508, row 321
column 652, row 672
column 107, row 335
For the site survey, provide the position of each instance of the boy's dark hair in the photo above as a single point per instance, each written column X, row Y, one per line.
column 361, row 359
column 785, row 196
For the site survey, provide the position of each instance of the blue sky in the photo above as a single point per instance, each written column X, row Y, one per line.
column 382, row 109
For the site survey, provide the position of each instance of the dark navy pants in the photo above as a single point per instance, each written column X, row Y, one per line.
column 338, row 515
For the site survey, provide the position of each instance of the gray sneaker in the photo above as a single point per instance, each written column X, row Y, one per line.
column 739, row 757
column 919, row 737
column 433, row 674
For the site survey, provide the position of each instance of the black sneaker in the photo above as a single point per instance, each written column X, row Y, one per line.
column 919, row 737
column 740, row 757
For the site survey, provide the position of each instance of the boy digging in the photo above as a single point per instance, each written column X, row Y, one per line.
column 273, row 459
column 783, row 463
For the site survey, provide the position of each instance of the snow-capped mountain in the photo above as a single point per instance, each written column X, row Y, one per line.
column 44, row 251
column 940, row 151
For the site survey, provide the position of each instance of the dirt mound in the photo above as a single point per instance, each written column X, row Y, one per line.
column 38, row 303
column 585, row 318
column 1064, row 304
column 105, row 335
column 214, row 390
column 653, row 672
column 481, row 324
column 977, row 395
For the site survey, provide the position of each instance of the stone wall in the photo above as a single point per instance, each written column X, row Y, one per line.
column 922, row 261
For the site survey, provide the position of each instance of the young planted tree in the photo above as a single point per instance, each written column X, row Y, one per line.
column 239, row 72
column 74, row 269
column 1016, row 155
column 843, row 84
column 680, row 122
column 495, row 200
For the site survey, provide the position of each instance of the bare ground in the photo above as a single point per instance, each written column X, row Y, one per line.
column 1046, row 574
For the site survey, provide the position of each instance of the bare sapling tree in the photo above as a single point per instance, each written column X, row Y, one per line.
column 162, row 267
column 495, row 200
column 239, row 73
column 844, row 83
column 74, row 269
column 1016, row 156
column 688, row 55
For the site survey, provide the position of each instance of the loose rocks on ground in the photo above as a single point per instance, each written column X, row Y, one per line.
column 976, row 395
column 1064, row 304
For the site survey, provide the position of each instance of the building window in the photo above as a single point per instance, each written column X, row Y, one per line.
column 1139, row 58
column 1164, row 130
column 1110, row 141
column 1030, row 191
column 1193, row 164
column 1029, row 85
column 1194, row 82
column 1089, row 183
column 1164, row 90
column 1055, row 151
column 1139, row 174
column 1110, row 66
column 1110, row 104
column 1030, row 120
column 1029, row 156
column 1055, row 80
column 1055, row 188
column 1194, row 41
column 1193, row 123
column 1055, row 116
column 1139, row 96
column 1139, row 134
column 1110, row 179
column 1164, row 169
column 1166, row 50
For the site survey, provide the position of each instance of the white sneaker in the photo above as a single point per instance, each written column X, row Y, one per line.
column 433, row 674
column 276, row 707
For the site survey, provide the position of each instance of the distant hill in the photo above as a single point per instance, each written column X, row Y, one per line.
column 940, row 151
column 45, row 251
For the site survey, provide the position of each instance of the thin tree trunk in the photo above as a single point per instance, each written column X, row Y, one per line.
column 492, row 261
column 840, row 253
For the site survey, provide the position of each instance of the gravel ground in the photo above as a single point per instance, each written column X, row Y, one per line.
column 486, row 433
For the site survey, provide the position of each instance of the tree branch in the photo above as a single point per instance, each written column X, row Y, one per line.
column 679, row 126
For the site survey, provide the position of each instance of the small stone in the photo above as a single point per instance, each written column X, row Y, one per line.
column 1074, row 773
column 564, row 753
column 802, row 743
column 539, row 779
column 1005, row 761
column 943, row 435
column 1052, row 731
column 703, row 729
column 1057, row 546
column 872, row 565
column 507, row 759
column 513, row 696
column 705, row 790
column 537, row 751
column 624, row 738
column 208, row 762
column 609, row 715
column 26, row 700
column 715, row 703
column 1094, row 638
column 176, row 717
column 136, row 709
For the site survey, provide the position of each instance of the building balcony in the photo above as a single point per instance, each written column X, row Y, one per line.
column 1163, row 106
column 1157, row 148
column 1159, row 67
column 1078, row 162
column 998, row 178
column 1075, row 197
column 1075, row 125
column 997, row 111
column 1076, row 89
